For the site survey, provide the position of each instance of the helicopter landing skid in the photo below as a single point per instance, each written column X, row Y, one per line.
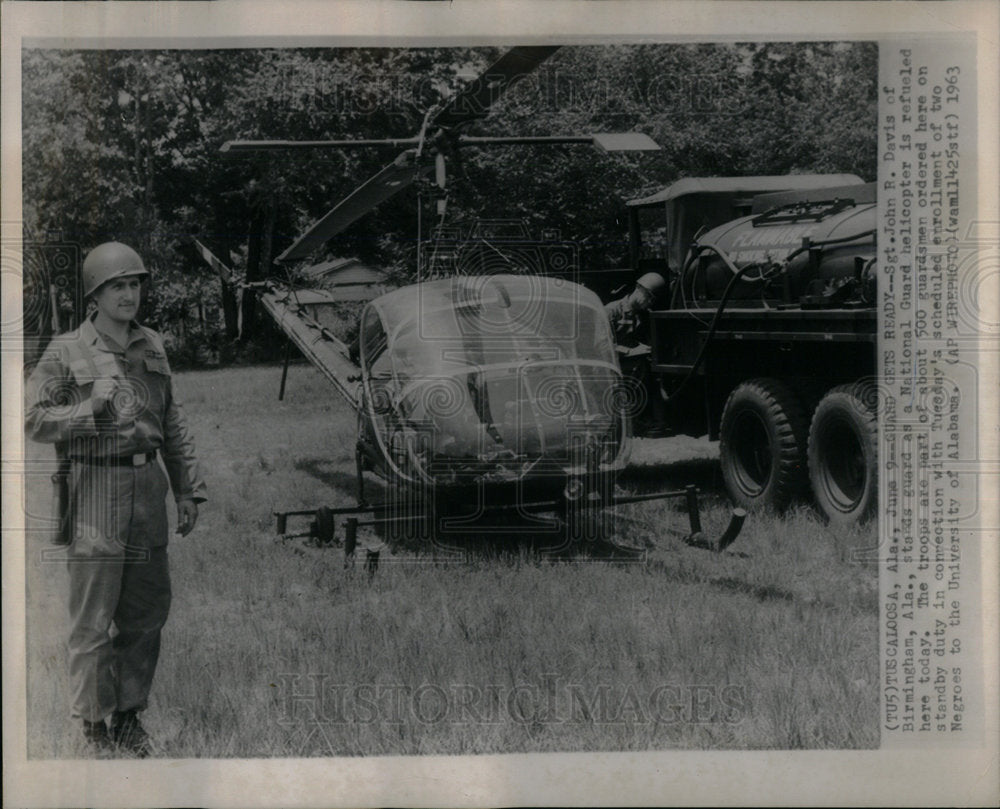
column 322, row 530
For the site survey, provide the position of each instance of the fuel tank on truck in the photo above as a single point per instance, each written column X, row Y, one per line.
column 837, row 231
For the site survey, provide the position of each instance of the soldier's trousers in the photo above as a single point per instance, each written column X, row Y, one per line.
column 119, row 586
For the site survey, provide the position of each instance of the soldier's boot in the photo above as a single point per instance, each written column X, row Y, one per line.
column 96, row 735
column 128, row 734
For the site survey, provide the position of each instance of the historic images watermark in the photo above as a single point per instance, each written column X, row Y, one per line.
column 51, row 300
column 318, row 699
column 329, row 88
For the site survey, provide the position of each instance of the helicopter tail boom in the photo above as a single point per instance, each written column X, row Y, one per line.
column 295, row 314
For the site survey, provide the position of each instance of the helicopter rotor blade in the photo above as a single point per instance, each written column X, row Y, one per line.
column 470, row 103
column 225, row 273
column 441, row 179
column 605, row 141
column 440, row 172
column 474, row 100
column 389, row 181
column 232, row 147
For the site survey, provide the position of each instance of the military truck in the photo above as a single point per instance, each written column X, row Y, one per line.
column 766, row 339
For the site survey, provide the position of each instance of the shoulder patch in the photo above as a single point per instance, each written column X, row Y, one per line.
column 66, row 338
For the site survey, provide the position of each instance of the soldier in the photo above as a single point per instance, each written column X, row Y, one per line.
column 103, row 395
column 629, row 329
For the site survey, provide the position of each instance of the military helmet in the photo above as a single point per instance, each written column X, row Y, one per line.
column 652, row 282
column 107, row 261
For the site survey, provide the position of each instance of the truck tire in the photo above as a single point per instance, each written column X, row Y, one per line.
column 762, row 445
column 843, row 455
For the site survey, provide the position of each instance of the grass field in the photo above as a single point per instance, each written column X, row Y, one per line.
column 275, row 650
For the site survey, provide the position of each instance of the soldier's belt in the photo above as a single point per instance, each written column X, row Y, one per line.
column 141, row 459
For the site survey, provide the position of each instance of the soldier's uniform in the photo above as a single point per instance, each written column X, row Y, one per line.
column 117, row 559
column 629, row 327
column 626, row 325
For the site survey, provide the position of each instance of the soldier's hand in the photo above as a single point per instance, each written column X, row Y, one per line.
column 102, row 393
column 187, row 516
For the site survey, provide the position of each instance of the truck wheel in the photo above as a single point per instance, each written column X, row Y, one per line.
column 762, row 445
column 843, row 456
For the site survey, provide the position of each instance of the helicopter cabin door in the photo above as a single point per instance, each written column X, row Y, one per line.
column 378, row 385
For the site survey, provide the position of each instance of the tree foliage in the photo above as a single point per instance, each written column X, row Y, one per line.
column 125, row 144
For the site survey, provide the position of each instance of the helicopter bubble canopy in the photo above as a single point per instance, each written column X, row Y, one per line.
column 500, row 372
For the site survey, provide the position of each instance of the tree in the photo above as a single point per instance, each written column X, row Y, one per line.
column 125, row 144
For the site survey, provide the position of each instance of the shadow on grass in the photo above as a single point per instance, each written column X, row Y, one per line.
column 704, row 473
column 766, row 592
column 493, row 537
column 342, row 481
column 760, row 592
column 521, row 544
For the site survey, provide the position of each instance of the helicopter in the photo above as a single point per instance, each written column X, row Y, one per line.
column 484, row 401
